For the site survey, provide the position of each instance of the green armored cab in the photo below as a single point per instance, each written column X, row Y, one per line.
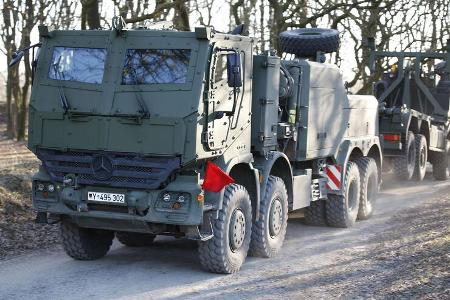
column 414, row 95
column 151, row 132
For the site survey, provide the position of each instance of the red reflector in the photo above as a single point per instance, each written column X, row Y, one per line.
column 215, row 179
column 392, row 137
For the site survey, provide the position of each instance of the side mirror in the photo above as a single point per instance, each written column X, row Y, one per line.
column 16, row 57
column 234, row 70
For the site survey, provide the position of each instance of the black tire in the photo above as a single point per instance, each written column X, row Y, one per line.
column 420, row 166
column 441, row 164
column 404, row 165
column 85, row 243
column 135, row 239
column 226, row 251
column 269, row 231
column 315, row 214
column 368, row 171
column 306, row 42
column 342, row 210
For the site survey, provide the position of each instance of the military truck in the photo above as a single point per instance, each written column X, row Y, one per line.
column 414, row 97
column 150, row 132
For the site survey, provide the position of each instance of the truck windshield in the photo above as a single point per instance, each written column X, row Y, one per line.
column 77, row 64
column 155, row 66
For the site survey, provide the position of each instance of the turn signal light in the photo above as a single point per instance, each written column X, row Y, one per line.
column 200, row 197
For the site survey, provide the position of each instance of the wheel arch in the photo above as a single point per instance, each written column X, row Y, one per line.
column 425, row 131
column 414, row 125
column 238, row 167
column 275, row 164
column 355, row 153
column 244, row 174
column 376, row 154
column 353, row 149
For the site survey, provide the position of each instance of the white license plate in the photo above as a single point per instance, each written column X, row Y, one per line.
column 106, row 197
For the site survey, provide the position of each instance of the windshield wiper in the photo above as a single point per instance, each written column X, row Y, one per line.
column 145, row 113
column 62, row 95
column 143, row 107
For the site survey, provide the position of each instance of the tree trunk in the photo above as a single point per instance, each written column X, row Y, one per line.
column 90, row 15
column 10, row 17
column 181, row 18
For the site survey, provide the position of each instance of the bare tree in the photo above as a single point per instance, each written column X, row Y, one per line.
column 90, row 15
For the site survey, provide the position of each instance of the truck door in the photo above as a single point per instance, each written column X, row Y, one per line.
column 220, row 99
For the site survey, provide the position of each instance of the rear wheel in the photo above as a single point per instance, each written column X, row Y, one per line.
column 85, row 243
column 342, row 210
column 420, row 167
column 135, row 239
column 404, row 165
column 368, row 171
column 441, row 164
column 315, row 213
column 269, row 231
column 226, row 251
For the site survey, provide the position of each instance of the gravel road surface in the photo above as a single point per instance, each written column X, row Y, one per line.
column 402, row 252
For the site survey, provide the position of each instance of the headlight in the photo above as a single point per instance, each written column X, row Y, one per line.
column 40, row 187
column 180, row 199
column 166, row 197
column 51, row 188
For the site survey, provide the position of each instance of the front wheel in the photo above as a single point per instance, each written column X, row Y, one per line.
column 269, row 231
column 226, row 251
column 85, row 243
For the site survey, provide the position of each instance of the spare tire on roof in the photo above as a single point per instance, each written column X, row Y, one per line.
column 308, row 41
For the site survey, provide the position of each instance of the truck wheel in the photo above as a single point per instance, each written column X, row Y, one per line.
column 269, row 231
column 308, row 41
column 342, row 210
column 85, row 243
column 368, row 171
column 441, row 164
column 420, row 167
column 226, row 251
column 135, row 239
column 315, row 213
column 404, row 165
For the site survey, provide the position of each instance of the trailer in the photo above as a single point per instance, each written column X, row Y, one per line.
column 414, row 97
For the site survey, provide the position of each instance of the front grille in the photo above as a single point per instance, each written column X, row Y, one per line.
column 127, row 170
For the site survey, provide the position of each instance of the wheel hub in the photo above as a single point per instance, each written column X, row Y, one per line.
column 275, row 217
column 237, row 229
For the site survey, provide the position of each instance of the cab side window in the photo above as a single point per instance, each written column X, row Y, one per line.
column 220, row 71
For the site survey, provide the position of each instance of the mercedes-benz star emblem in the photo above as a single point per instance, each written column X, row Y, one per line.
column 102, row 167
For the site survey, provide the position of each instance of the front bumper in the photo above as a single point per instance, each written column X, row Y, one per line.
column 141, row 208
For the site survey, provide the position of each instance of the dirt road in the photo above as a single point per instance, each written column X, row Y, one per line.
column 403, row 251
